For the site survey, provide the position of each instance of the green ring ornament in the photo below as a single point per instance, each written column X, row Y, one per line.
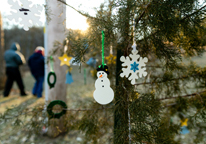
column 51, row 85
column 52, row 104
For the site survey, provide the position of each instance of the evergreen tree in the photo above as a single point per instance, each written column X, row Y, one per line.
column 167, row 32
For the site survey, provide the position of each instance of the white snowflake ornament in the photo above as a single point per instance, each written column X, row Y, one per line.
column 136, row 66
column 27, row 14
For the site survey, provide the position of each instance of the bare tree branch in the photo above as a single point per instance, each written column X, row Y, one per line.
column 86, row 15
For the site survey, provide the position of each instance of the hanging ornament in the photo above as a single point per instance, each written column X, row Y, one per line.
column 69, row 78
column 184, row 129
column 27, row 14
column 103, row 93
column 52, row 104
column 92, row 62
column 65, row 60
column 111, row 59
column 51, row 73
column 134, row 66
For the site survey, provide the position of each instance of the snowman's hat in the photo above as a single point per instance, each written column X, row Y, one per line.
column 105, row 69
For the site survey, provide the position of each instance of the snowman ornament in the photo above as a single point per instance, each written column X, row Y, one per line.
column 103, row 93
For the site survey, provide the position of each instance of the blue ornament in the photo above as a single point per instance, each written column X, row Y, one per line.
column 134, row 66
column 69, row 79
column 91, row 62
column 184, row 130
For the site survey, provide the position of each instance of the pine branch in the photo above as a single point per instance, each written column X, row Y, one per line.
column 189, row 95
column 140, row 17
column 103, row 108
column 193, row 13
column 144, row 83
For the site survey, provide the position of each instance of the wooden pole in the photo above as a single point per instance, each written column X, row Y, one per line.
column 56, row 32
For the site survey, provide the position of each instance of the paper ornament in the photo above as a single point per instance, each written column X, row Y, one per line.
column 27, row 14
column 103, row 93
column 56, row 115
column 184, row 122
column 72, row 62
column 111, row 59
column 51, row 84
column 92, row 62
column 65, row 60
column 135, row 66
column 184, row 129
column 69, row 78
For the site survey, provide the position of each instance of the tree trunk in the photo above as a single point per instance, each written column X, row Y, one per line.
column 2, row 66
column 56, row 32
column 121, row 119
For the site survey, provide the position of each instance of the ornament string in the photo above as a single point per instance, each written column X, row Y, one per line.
column 134, row 42
column 85, row 76
column 111, row 50
column 103, row 48
column 51, row 64
column 66, row 47
column 129, row 118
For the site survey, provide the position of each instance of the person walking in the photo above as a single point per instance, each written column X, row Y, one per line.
column 36, row 65
column 13, row 59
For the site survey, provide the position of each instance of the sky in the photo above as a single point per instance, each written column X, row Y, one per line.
column 74, row 19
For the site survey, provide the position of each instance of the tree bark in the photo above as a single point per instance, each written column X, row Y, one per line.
column 121, row 119
column 2, row 65
column 56, row 32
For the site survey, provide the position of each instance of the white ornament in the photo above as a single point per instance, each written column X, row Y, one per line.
column 135, row 67
column 26, row 13
column 103, row 93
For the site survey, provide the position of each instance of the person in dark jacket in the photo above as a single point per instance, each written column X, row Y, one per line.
column 36, row 65
column 13, row 59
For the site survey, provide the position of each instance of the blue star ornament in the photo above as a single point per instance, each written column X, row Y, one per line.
column 134, row 66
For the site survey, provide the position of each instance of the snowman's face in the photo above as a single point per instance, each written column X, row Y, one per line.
column 101, row 74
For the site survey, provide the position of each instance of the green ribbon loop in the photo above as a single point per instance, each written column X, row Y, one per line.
column 103, row 48
column 51, row 64
column 56, row 115
column 51, row 85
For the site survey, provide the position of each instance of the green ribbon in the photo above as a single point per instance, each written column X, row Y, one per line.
column 56, row 115
column 51, row 73
column 103, row 48
column 51, row 64
column 51, row 85
column 85, row 76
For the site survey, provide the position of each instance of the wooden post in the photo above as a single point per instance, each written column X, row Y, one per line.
column 56, row 32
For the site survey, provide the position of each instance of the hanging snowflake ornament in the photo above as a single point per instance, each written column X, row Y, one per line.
column 27, row 14
column 135, row 67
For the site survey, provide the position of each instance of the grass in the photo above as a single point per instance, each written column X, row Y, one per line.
column 77, row 91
